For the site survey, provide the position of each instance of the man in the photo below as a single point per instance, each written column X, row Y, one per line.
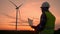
column 50, row 19
column 47, row 20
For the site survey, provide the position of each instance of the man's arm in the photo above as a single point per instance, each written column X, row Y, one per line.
column 42, row 23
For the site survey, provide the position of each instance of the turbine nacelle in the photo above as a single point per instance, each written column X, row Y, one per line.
column 17, row 7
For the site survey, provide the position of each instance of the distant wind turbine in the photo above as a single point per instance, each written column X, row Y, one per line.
column 17, row 8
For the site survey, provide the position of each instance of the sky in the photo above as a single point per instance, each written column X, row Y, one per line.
column 30, row 9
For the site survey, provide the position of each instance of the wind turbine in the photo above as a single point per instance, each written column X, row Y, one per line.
column 17, row 8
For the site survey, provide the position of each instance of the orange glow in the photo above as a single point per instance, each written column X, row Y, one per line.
column 30, row 9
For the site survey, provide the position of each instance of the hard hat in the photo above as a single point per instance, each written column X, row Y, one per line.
column 45, row 4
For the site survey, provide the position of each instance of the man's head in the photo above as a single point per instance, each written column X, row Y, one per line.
column 45, row 6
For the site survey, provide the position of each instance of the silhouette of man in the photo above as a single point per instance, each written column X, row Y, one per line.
column 47, row 20
column 42, row 23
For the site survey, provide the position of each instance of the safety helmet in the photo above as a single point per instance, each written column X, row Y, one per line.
column 45, row 4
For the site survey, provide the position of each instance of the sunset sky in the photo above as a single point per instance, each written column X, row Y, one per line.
column 30, row 9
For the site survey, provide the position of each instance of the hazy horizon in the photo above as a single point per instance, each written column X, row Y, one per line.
column 30, row 9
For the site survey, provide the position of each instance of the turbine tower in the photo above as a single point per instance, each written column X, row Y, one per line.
column 17, row 8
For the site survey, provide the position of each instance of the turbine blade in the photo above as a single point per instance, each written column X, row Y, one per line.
column 20, row 5
column 19, row 11
column 19, row 14
column 12, row 3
